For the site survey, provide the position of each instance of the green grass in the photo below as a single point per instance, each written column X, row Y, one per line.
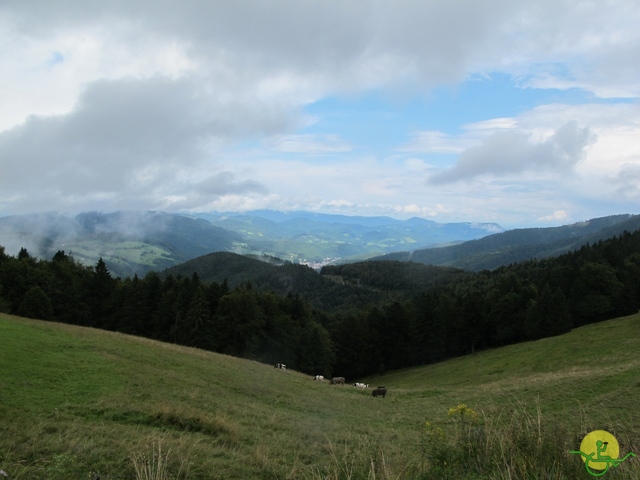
column 75, row 401
column 121, row 254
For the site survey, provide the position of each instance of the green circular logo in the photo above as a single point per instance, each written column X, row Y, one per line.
column 600, row 450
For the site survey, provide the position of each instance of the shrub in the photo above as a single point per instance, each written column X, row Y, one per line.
column 519, row 446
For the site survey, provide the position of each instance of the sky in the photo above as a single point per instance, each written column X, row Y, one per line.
column 509, row 111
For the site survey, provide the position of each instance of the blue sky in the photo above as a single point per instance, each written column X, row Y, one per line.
column 515, row 112
column 378, row 120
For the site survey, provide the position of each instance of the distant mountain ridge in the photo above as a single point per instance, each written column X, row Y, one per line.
column 318, row 239
column 394, row 277
column 136, row 242
column 129, row 242
column 519, row 245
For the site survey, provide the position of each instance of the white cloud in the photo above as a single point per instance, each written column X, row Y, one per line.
column 200, row 104
column 310, row 144
column 513, row 152
column 35, row 84
column 334, row 204
column 492, row 125
column 431, row 141
column 555, row 216
column 627, row 181
column 128, row 137
column 419, row 211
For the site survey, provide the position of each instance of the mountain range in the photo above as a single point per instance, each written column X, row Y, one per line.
column 518, row 245
column 133, row 242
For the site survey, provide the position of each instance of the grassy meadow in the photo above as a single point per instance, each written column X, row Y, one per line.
column 78, row 403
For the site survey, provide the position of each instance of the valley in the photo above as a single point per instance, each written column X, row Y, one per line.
column 78, row 402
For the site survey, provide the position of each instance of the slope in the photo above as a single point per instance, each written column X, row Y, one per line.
column 285, row 278
column 129, row 242
column 76, row 400
column 520, row 245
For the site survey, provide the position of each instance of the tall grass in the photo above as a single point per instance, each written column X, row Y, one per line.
column 360, row 459
column 153, row 463
column 77, row 403
column 511, row 445
column 506, row 444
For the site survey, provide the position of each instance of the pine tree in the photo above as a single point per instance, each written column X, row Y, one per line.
column 195, row 329
column 239, row 324
column 100, row 290
column 165, row 315
column 36, row 304
column 315, row 351
column 429, row 331
column 67, row 289
column 593, row 293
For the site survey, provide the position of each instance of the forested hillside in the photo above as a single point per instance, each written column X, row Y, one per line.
column 339, row 288
column 520, row 245
column 456, row 314
column 128, row 242
column 136, row 242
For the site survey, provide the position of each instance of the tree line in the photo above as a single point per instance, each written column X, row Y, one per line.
column 457, row 315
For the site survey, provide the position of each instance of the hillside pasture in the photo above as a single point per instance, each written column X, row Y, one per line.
column 77, row 402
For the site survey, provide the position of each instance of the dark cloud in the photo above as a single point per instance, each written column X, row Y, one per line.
column 127, row 134
column 347, row 45
column 224, row 183
column 336, row 45
column 627, row 181
column 514, row 152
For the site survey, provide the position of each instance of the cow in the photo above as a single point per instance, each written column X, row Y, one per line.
column 337, row 381
column 361, row 385
column 379, row 392
column 281, row 366
column 319, row 378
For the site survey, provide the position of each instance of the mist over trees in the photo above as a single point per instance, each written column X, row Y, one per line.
column 456, row 314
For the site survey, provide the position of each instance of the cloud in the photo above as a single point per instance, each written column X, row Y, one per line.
column 491, row 125
column 513, row 152
column 433, row 141
column 131, row 135
column 310, row 144
column 627, row 181
column 224, row 183
column 153, row 104
column 416, row 210
column 555, row 216
column 303, row 50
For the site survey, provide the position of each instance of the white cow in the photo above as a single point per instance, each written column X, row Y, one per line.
column 281, row 366
column 319, row 378
column 361, row 385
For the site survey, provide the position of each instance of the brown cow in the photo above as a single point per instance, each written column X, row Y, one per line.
column 379, row 392
column 337, row 381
